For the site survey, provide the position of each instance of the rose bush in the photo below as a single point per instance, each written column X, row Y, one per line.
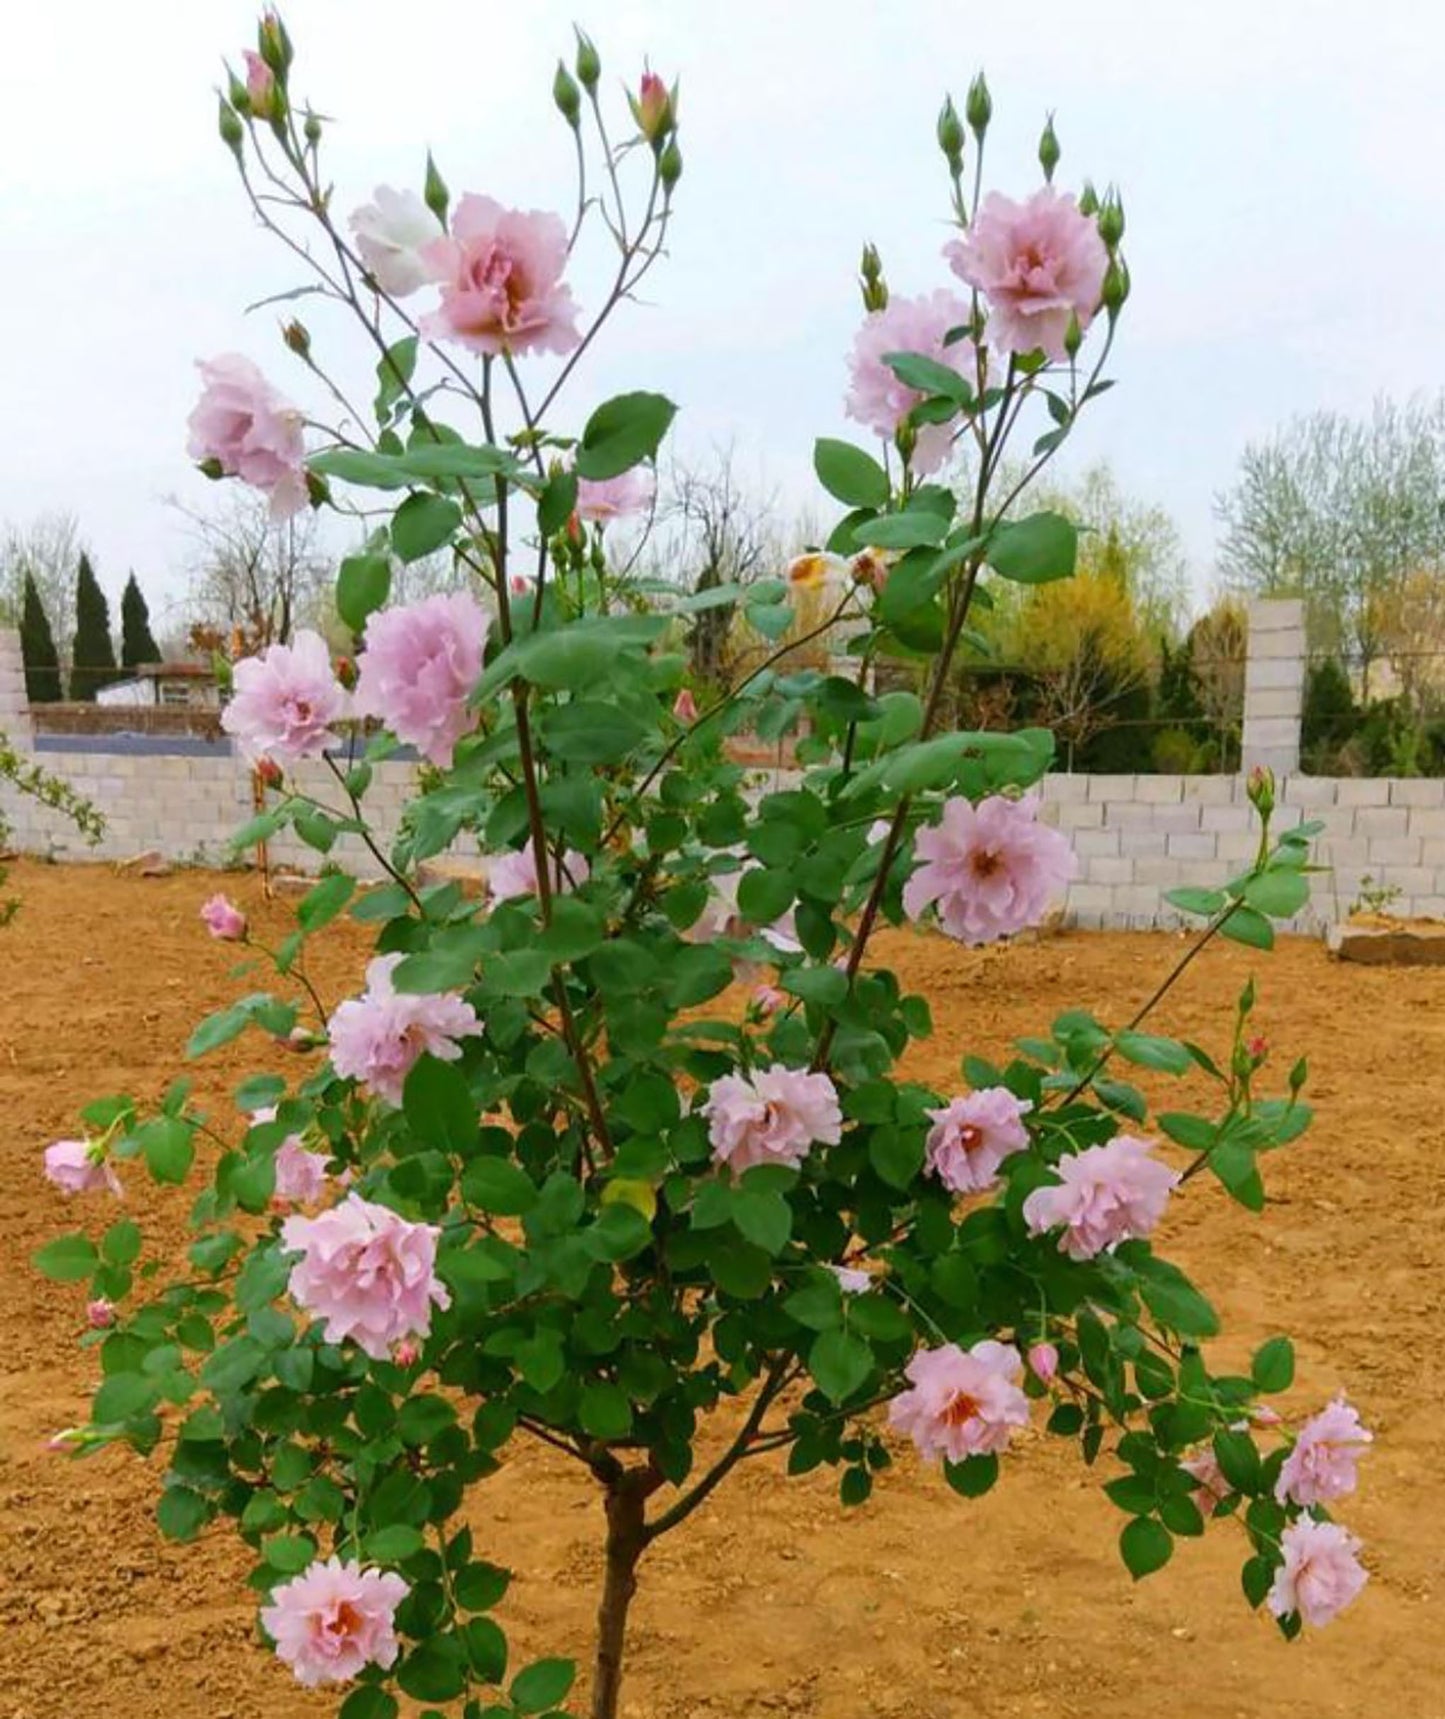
column 547, row 1181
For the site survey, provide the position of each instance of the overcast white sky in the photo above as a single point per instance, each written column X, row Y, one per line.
column 1281, row 162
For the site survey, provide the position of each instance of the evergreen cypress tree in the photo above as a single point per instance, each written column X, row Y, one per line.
column 37, row 646
column 137, row 642
column 93, row 660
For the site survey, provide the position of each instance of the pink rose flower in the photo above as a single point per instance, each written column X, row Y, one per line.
column 334, row 1619
column 1038, row 263
column 1043, row 1362
column 1105, row 1195
column 877, row 398
column 1320, row 1574
column 653, row 107
column 301, row 1177
column 871, row 567
column 367, row 1272
column 79, row 1167
column 602, row 500
column 775, row 1117
column 100, row 1314
column 260, row 84
column 391, row 234
column 284, row 702
column 684, row 706
column 850, row 1280
column 250, row 431
column 1321, row 1466
column 376, row 1038
column 501, row 275
column 224, row 920
column 1213, row 1488
column 515, row 874
column 990, row 870
column 962, row 1403
column 972, row 1136
column 418, row 669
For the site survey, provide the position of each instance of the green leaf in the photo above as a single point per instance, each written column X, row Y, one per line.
column 1280, row 893
column 480, row 1586
column 1205, row 902
column 621, row 433
column 1273, row 1366
column 1174, row 1301
column 169, row 1148
column 423, row 1418
column 67, row 1259
column 363, row 583
column 818, row 1304
column 1035, row 550
column 437, row 1670
column 849, row 475
column 494, row 1185
column 394, row 1543
column 1247, row 926
column 121, row 1396
column 319, row 906
column 557, row 502
column 1238, row 1458
column 1145, row 1546
column 591, row 731
column 288, row 1553
column 764, row 1218
column 121, row 1243
column 1256, row 1578
column 1195, row 1132
column 543, row 1684
column 182, row 1513
column 423, row 523
column 439, row 1106
column 972, row 1477
column 928, row 376
column 765, row 895
column 918, row 528
column 1150, row 1051
column 839, row 1362
column 604, row 1411
column 572, row 657
column 394, row 370
column 487, row 1649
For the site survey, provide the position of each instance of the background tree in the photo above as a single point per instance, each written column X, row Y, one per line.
column 1217, row 643
column 137, row 642
column 1341, row 511
column 37, row 647
column 92, row 660
column 253, row 580
column 44, row 551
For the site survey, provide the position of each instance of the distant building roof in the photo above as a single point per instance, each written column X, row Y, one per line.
column 173, row 671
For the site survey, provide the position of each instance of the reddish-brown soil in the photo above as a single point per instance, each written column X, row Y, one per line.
column 774, row 1599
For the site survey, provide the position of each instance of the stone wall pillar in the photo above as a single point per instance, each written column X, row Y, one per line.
column 1274, row 684
column 14, row 706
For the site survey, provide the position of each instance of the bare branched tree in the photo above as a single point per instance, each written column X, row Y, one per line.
column 253, row 580
column 47, row 549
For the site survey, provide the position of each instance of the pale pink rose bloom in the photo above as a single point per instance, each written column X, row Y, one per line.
column 1038, row 263
column 818, row 570
column 971, row 1137
column 877, row 398
column 1321, row 1466
column 774, row 1117
column 391, row 234
column 418, row 669
column 378, row 1037
column 224, row 920
column 301, row 1177
column 1213, row 1488
column 1043, row 1362
column 515, row 874
column 100, row 1314
column 768, row 999
column 367, row 1272
column 260, row 83
column 989, row 870
column 850, row 1280
column 78, row 1167
column 1320, row 1574
column 1105, row 1195
column 501, row 281
column 962, row 1403
column 684, row 706
column 251, row 432
column 284, row 702
column 335, row 1619
column 604, row 499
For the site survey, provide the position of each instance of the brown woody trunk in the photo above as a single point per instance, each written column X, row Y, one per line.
column 626, row 1539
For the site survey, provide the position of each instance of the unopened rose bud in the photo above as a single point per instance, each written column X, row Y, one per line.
column 224, row 920
column 1262, row 1415
column 589, row 63
column 1258, row 1049
column 1088, row 199
column 1260, row 788
column 312, row 128
column 767, row 1000
column 978, row 108
column 871, row 567
column 951, row 136
column 684, row 706
column 406, row 1353
column 346, row 672
column 652, row 109
column 233, row 133
column 434, row 191
column 300, row 1040
column 1073, row 336
column 1111, row 220
column 99, row 1314
column 1043, row 1362
column 1049, row 151
column 268, row 773
column 875, row 288
column 669, row 165
column 297, row 338
column 275, row 44
column 260, row 85
column 69, row 1438
column 567, row 96
column 1116, row 287
column 905, row 439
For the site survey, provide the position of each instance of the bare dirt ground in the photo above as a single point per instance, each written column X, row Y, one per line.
column 774, row 1599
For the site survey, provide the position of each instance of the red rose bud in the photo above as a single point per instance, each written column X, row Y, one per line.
column 1260, row 789
column 1049, row 151
column 1258, row 1049
column 346, row 672
column 99, row 1314
column 652, row 109
column 268, row 773
column 684, row 706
